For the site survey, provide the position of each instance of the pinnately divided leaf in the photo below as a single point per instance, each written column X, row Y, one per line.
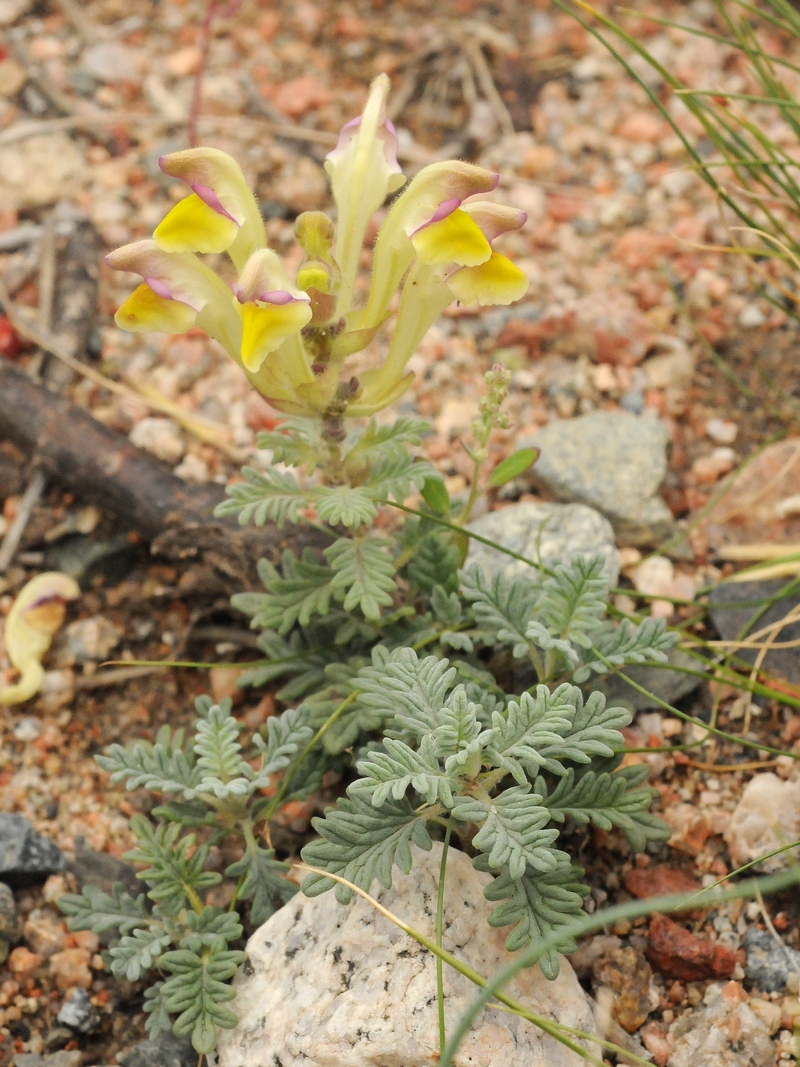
column 94, row 910
column 390, row 773
column 264, row 495
column 363, row 574
column 303, row 589
column 344, row 504
column 573, row 599
column 410, row 693
column 537, row 905
column 502, row 605
column 219, row 754
column 514, row 833
column 163, row 767
column 528, row 726
column 173, row 871
column 362, row 843
column 155, row 1007
column 607, row 801
column 286, row 735
column 650, row 641
column 197, row 991
column 134, row 955
column 594, row 730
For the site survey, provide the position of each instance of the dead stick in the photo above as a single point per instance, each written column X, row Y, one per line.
column 102, row 467
column 28, row 501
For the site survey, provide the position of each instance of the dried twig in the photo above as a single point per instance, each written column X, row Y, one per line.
column 28, row 501
column 290, row 130
column 201, row 428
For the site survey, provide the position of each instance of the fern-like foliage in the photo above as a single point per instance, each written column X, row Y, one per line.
column 445, row 757
column 559, row 621
column 263, row 496
column 207, row 782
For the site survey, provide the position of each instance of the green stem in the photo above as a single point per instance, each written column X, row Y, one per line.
column 298, row 760
column 474, row 491
column 439, row 930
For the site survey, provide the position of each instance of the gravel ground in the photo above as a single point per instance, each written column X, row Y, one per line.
column 625, row 313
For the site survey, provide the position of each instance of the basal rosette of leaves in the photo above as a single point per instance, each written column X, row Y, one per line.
column 448, row 699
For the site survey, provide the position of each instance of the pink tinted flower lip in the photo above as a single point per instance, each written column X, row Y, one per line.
column 159, row 287
column 210, row 198
column 281, row 297
column 386, row 132
column 447, row 207
column 278, row 297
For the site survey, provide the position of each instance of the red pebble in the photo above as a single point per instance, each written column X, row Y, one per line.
column 657, row 881
column 10, row 340
column 677, row 953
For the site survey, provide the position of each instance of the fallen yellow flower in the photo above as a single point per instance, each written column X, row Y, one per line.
column 34, row 618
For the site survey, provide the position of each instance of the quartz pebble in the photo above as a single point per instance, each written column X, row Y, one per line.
column 722, row 431
column 327, row 986
column 159, row 436
column 91, row 640
column 725, row 1032
column 766, row 817
column 78, row 1013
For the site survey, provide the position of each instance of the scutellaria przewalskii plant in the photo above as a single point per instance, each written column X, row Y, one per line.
column 436, row 743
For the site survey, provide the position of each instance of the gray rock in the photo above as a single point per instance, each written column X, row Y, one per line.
column 734, row 606
column 78, row 1013
column 769, row 964
column 613, row 461
column 662, row 682
column 102, row 870
column 332, row 986
column 724, row 1033
column 10, row 925
column 550, row 533
column 166, row 1050
column 25, row 855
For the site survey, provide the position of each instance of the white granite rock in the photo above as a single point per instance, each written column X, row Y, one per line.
column 550, row 533
column 331, row 986
column 767, row 817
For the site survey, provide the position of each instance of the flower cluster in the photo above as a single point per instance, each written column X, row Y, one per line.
column 292, row 338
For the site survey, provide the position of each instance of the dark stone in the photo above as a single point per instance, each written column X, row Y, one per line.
column 769, row 964
column 10, row 925
column 102, row 871
column 666, row 684
column 78, row 1014
column 25, row 855
column 733, row 606
column 57, row 1038
column 166, row 1050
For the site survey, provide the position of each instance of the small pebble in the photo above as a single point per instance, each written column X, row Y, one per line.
column 752, row 316
column 722, row 431
column 27, row 729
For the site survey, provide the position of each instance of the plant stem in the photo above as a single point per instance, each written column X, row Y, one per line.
column 298, row 760
column 439, row 928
